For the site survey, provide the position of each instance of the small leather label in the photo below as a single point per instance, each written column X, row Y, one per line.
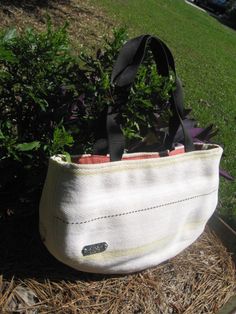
column 94, row 248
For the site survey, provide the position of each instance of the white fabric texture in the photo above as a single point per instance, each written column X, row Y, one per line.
column 145, row 211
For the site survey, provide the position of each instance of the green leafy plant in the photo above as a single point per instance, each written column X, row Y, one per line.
column 51, row 100
column 146, row 96
column 61, row 139
column 35, row 70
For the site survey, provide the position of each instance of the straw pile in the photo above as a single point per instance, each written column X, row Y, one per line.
column 199, row 280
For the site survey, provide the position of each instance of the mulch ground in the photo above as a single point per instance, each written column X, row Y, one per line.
column 87, row 24
column 199, row 280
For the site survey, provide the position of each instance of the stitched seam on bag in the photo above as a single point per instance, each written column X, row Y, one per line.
column 133, row 211
column 114, row 168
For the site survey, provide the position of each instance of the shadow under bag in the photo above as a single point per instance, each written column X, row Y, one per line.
column 123, row 213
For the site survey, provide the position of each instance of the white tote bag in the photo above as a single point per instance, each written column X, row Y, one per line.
column 123, row 213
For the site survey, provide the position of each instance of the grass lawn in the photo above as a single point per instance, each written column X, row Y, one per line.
column 205, row 55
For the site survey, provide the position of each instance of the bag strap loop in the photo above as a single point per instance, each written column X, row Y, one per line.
column 123, row 75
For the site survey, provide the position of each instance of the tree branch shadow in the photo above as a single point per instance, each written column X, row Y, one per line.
column 30, row 5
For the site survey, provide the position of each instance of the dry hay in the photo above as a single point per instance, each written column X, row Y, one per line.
column 87, row 24
column 199, row 280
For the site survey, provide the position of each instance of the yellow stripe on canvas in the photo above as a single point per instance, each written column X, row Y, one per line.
column 141, row 249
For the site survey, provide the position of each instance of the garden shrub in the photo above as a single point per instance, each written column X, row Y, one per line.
column 147, row 95
column 34, row 70
column 50, row 100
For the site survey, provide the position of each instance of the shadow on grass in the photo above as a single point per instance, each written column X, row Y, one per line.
column 30, row 5
column 226, row 21
column 23, row 256
column 221, row 18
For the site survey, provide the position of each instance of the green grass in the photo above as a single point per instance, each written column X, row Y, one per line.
column 205, row 53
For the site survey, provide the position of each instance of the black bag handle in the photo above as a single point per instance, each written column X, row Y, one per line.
column 123, row 75
column 131, row 57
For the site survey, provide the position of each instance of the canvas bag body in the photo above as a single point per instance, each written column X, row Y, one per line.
column 128, row 215
column 143, row 212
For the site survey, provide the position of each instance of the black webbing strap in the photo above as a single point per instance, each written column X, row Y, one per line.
column 125, row 69
column 177, row 101
column 123, row 75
